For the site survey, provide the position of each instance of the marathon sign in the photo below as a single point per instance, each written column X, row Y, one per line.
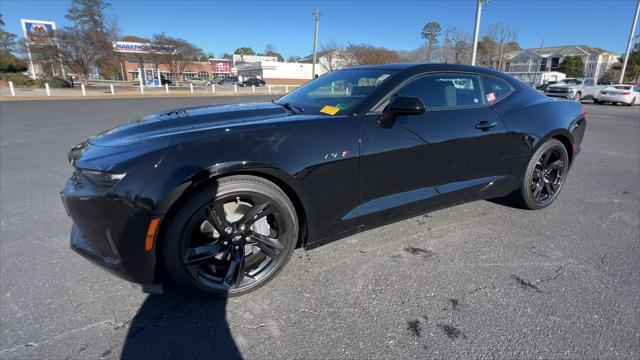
column 142, row 48
column 38, row 32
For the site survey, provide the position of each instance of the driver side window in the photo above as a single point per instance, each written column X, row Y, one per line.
column 445, row 91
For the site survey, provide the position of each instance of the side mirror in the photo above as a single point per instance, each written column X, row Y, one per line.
column 401, row 105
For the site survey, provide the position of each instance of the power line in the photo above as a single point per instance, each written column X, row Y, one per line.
column 365, row 30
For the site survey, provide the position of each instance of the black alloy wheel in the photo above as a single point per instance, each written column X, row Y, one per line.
column 544, row 176
column 231, row 239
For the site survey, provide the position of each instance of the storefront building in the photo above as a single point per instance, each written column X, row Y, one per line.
column 213, row 69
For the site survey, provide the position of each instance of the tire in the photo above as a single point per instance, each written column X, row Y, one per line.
column 578, row 96
column 198, row 261
column 538, row 175
column 633, row 102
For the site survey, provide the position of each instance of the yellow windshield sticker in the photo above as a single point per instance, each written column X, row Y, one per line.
column 331, row 110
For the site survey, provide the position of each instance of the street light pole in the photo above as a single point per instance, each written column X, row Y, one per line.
column 316, row 16
column 633, row 31
column 476, row 32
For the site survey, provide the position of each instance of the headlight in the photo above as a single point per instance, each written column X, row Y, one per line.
column 103, row 178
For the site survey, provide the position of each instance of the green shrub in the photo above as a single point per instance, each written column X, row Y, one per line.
column 53, row 83
column 10, row 63
column 18, row 79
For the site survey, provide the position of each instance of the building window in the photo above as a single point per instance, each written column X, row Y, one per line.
column 189, row 75
column 203, row 75
column 543, row 64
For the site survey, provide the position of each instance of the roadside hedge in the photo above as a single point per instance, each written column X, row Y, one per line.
column 18, row 79
column 53, row 83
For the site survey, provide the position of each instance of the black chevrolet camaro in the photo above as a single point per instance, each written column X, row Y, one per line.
column 216, row 198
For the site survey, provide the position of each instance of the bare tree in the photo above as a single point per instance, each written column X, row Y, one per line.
column 366, row 54
column 462, row 49
column 184, row 53
column 74, row 47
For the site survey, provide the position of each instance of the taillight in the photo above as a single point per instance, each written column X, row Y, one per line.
column 626, row 93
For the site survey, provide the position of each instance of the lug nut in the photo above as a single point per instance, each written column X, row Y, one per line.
column 237, row 247
column 242, row 227
column 225, row 243
column 248, row 238
column 228, row 230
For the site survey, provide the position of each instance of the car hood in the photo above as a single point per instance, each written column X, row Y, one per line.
column 162, row 125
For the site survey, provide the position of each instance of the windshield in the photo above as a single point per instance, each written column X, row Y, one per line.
column 571, row 81
column 336, row 92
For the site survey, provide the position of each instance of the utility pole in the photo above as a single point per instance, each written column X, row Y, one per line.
column 476, row 32
column 633, row 32
column 538, row 65
column 316, row 16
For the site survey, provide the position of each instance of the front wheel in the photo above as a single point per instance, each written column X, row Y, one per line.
column 544, row 176
column 577, row 96
column 231, row 238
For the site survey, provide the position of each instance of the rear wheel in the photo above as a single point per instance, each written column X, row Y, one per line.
column 633, row 102
column 544, row 176
column 231, row 238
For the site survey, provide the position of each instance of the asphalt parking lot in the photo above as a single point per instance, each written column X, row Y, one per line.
column 480, row 280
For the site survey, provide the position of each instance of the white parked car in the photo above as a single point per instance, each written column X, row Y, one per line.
column 620, row 93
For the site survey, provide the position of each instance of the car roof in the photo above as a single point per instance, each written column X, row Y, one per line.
column 427, row 67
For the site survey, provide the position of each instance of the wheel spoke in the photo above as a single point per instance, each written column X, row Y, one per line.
column 550, row 191
column 257, row 211
column 200, row 254
column 217, row 217
column 270, row 246
column 536, row 192
column 556, row 165
column 545, row 159
column 235, row 271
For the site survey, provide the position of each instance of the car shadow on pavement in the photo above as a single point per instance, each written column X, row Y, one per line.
column 172, row 326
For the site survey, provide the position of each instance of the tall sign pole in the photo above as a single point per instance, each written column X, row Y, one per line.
column 631, row 34
column 316, row 16
column 476, row 32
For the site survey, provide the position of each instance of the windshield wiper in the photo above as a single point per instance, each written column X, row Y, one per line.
column 294, row 109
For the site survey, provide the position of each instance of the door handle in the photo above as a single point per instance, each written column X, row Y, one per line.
column 485, row 125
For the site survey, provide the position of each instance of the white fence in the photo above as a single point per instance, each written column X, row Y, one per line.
column 121, row 89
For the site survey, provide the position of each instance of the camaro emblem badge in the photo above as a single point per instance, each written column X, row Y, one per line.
column 337, row 155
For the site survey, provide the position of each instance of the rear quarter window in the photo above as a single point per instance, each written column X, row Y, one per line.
column 495, row 89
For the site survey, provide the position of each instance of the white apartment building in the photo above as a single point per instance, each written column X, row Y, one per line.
column 330, row 60
column 522, row 63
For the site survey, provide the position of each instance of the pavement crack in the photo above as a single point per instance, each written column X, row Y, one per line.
column 526, row 284
column 556, row 274
column 114, row 326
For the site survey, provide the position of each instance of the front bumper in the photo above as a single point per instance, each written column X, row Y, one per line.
column 564, row 95
column 109, row 229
